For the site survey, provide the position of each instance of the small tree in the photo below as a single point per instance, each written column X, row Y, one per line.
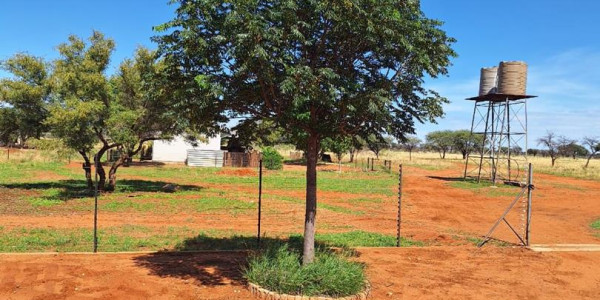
column 465, row 142
column 339, row 146
column 411, row 143
column 81, row 99
column 377, row 143
column 26, row 94
column 551, row 142
column 357, row 145
column 441, row 141
column 593, row 145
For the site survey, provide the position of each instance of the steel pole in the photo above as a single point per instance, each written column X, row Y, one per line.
column 399, row 219
column 529, row 192
column 96, row 159
column 259, row 199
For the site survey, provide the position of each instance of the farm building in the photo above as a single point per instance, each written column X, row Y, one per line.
column 179, row 150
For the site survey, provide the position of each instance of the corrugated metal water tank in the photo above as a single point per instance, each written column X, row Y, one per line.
column 512, row 78
column 487, row 81
column 205, row 158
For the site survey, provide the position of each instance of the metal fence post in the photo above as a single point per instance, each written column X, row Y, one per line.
column 399, row 206
column 96, row 158
column 529, row 192
column 259, row 199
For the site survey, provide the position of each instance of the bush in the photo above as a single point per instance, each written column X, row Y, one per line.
column 272, row 160
column 280, row 269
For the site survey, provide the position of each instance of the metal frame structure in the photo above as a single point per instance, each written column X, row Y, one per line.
column 526, row 190
column 501, row 121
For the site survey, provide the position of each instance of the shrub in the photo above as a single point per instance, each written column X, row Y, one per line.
column 280, row 269
column 272, row 160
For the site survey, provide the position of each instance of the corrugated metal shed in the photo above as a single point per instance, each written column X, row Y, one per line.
column 205, row 158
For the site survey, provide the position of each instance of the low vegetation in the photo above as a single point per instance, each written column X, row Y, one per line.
column 280, row 269
column 596, row 227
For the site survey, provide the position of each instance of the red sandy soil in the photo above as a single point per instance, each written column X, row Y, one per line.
column 447, row 272
column 238, row 172
column 432, row 211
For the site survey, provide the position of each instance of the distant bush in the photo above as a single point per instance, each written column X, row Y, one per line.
column 272, row 160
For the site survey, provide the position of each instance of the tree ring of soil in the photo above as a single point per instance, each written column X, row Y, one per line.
column 262, row 293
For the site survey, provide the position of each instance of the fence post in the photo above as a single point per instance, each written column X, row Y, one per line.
column 529, row 192
column 259, row 199
column 399, row 206
column 97, row 161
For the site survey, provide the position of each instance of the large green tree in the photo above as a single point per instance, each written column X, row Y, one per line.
column 317, row 68
column 81, row 98
column 144, row 107
column 25, row 97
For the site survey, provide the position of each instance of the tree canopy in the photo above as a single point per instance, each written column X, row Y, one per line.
column 320, row 68
column 25, row 97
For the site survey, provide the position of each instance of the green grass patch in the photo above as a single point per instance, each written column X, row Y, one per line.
column 477, row 240
column 360, row 238
column 486, row 187
column 280, row 269
column 341, row 209
column 596, row 224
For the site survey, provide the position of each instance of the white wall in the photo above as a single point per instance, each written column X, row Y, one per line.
column 176, row 150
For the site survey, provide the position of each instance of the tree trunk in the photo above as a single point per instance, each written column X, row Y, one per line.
column 311, row 199
column 410, row 155
column 588, row 159
column 464, row 154
column 87, row 168
column 101, row 172
column 444, row 154
column 112, row 173
column 352, row 152
column 553, row 160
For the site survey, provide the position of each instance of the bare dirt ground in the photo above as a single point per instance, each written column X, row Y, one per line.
column 433, row 211
column 445, row 272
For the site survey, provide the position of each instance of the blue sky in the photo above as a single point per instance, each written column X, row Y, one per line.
column 558, row 39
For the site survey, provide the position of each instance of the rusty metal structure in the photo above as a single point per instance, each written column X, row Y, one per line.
column 499, row 125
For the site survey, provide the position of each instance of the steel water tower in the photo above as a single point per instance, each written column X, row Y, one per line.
column 499, row 125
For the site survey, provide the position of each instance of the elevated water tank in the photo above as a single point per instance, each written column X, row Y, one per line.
column 512, row 77
column 487, row 81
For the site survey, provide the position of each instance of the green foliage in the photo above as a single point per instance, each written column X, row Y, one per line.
column 80, row 93
column 376, row 143
column 596, row 224
column 279, row 269
column 464, row 142
column 363, row 239
column 339, row 146
column 441, row 141
column 272, row 160
column 317, row 68
column 25, row 97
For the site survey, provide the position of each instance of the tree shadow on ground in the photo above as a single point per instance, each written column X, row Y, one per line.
column 220, row 260
column 64, row 190
column 450, row 178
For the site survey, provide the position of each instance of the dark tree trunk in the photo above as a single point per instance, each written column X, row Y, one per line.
column 352, row 152
column 101, row 172
column 311, row 199
column 588, row 159
column 443, row 154
column 112, row 173
column 87, row 168
column 553, row 160
column 464, row 154
column 410, row 154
